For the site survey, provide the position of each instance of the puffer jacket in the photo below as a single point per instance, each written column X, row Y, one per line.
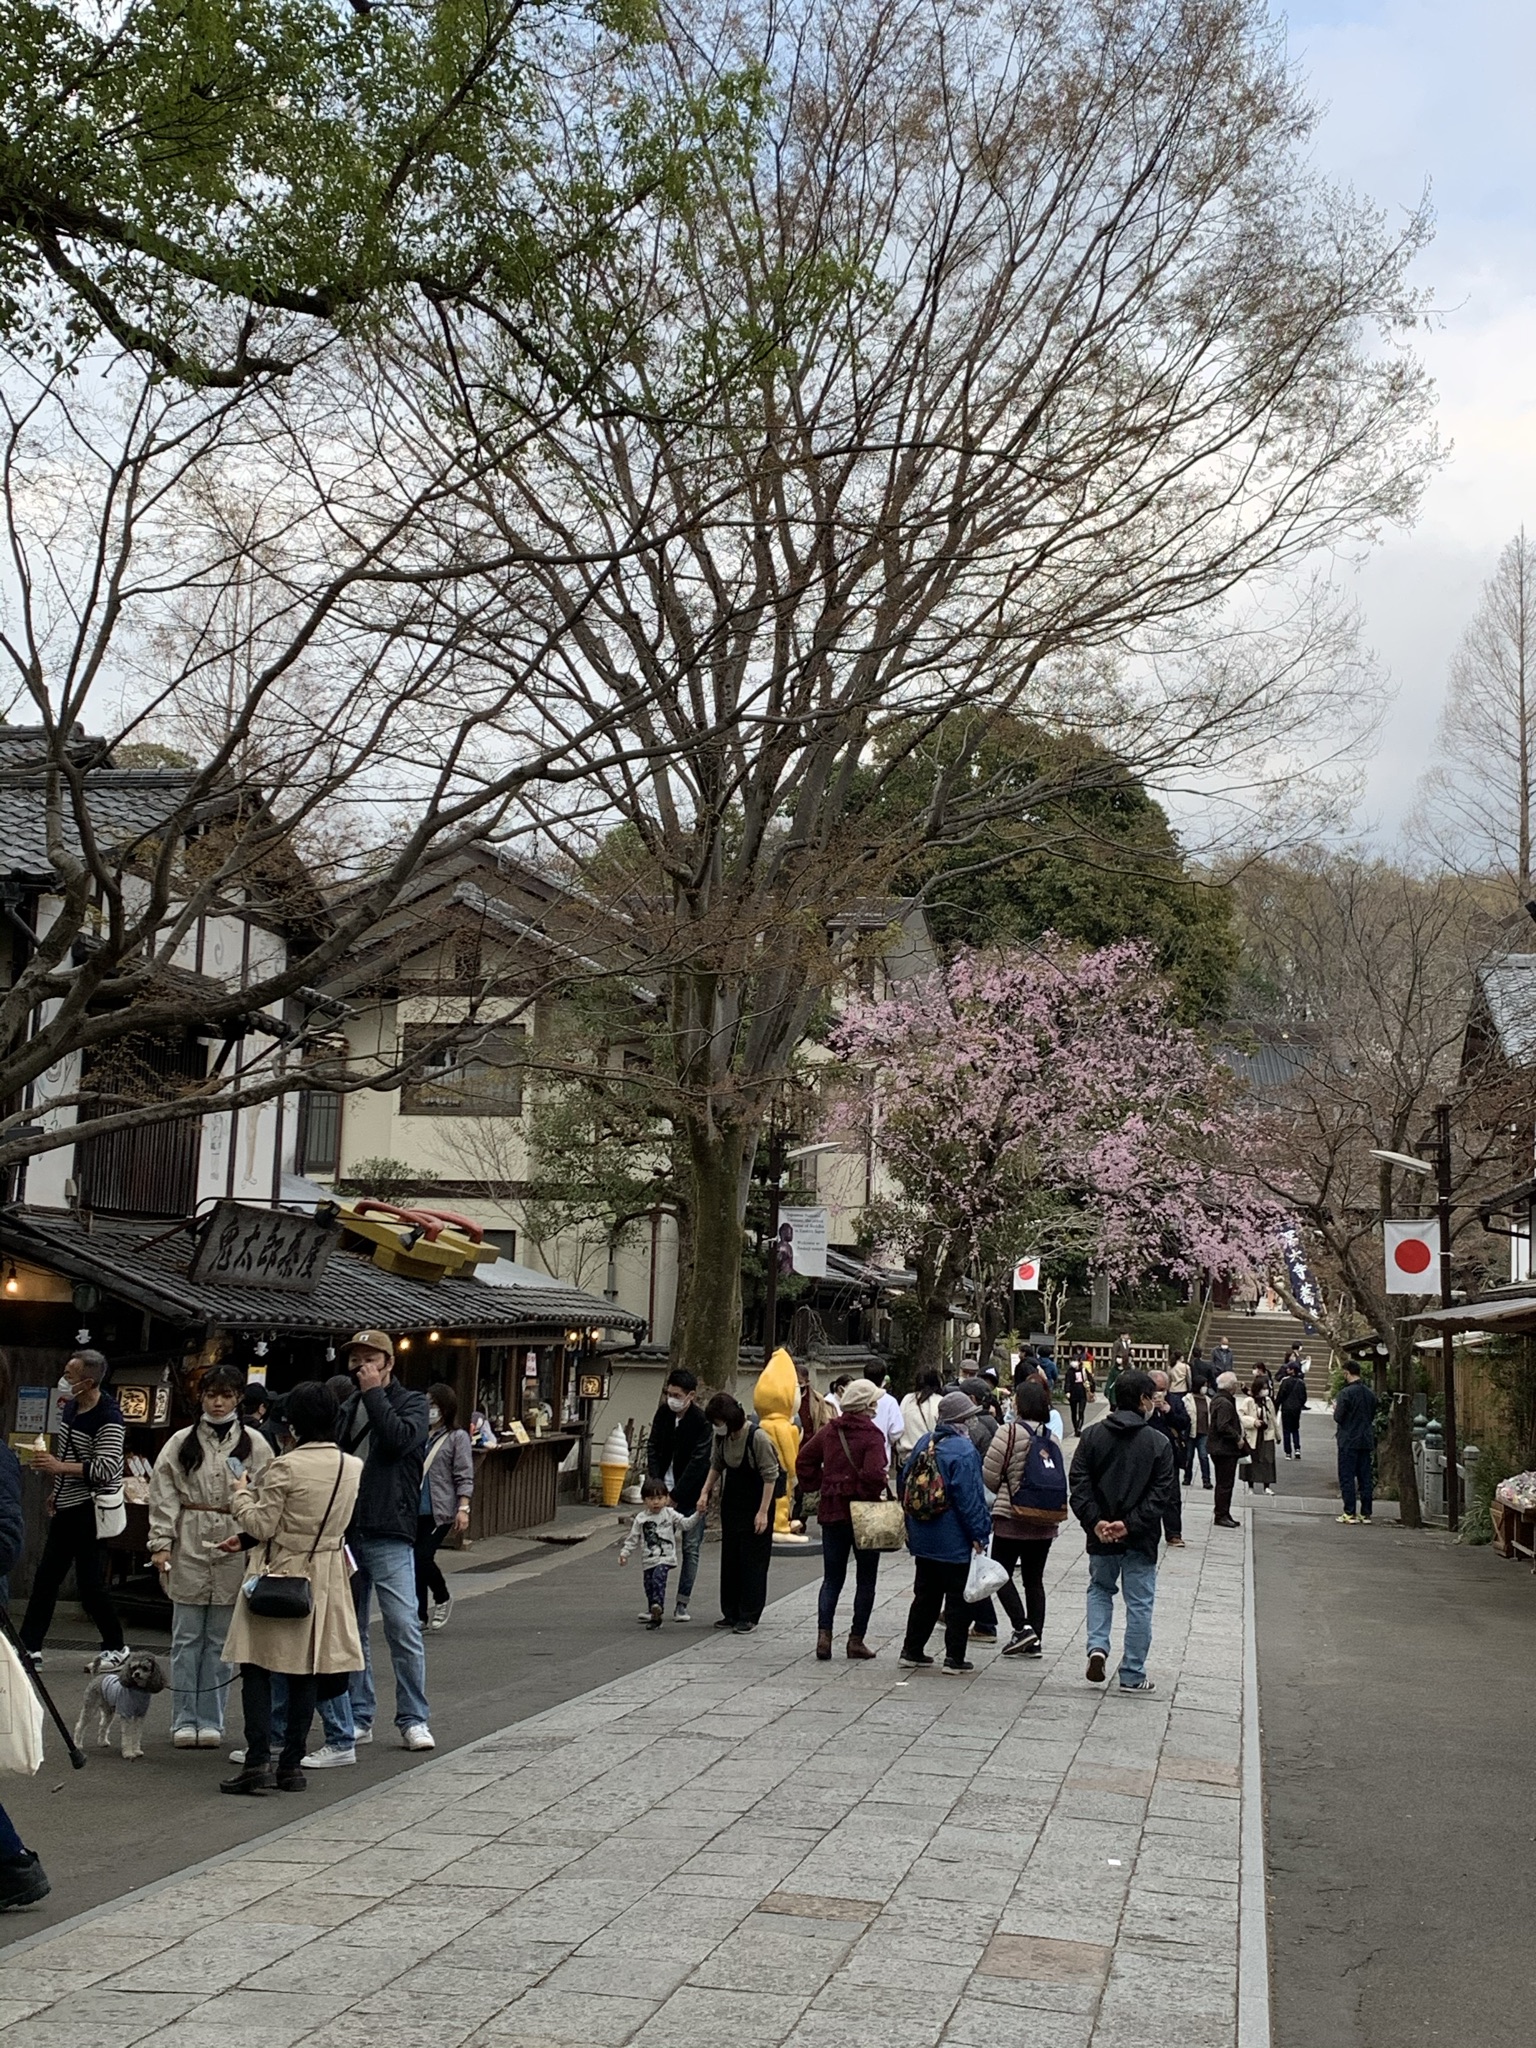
column 1002, row 1471
column 189, row 1514
column 824, row 1466
column 966, row 1521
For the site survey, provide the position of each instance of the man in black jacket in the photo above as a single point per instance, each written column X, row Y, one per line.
column 1291, row 1400
column 677, row 1454
column 1354, row 1423
column 1122, row 1482
column 384, row 1424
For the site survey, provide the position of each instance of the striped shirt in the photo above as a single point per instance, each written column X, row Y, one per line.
column 95, row 1440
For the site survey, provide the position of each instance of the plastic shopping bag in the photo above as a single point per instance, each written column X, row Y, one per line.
column 21, row 1715
column 984, row 1576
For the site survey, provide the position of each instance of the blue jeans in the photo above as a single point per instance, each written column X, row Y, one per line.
column 386, row 1564
column 693, row 1543
column 200, row 1679
column 1355, row 1471
column 1135, row 1574
column 1195, row 1446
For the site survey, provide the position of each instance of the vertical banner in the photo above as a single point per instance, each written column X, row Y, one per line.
column 1026, row 1275
column 803, row 1237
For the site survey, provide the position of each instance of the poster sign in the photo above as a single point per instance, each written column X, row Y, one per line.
column 243, row 1247
column 1413, row 1256
column 32, row 1409
column 803, row 1236
column 1026, row 1274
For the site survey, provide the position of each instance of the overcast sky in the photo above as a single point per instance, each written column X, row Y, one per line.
column 1441, row 92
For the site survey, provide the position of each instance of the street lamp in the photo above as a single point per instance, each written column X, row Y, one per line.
column 1440, row 1167
column 778, row 1159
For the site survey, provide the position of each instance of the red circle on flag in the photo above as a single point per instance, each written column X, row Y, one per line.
column 1412, row 1255
column 1026, row 1269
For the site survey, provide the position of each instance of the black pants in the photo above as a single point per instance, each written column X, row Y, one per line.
column 1226, row 1479
column 836, row 1549
column 429, row 1577
column 71, row 1541
column 1173, row 1517
column 256, row 1699
column 1077, row 1407
column 1029, row 1555
column 1355, row 1479
column 744, row 1560
column 934, row 1586
column 1290, row 1434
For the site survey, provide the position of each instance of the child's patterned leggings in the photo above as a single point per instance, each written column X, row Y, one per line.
column 656, row 1585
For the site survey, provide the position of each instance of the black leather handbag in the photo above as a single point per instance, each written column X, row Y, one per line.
column 285, row 1596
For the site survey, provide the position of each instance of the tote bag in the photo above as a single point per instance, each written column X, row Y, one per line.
column 21, row 1715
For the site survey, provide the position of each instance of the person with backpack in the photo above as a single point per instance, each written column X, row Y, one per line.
column 1122, row 1480
column 744, row 1471
column 947, row 1522
column 1027, row 1471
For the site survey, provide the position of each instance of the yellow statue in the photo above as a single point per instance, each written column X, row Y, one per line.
column 776, row 1398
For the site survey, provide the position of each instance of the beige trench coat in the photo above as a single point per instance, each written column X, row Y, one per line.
column 179, row 1521
column 285, row 1510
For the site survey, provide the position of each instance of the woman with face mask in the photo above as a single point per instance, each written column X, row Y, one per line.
column 189, row 1520
column 447, row 1487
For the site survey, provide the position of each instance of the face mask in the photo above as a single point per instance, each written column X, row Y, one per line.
column 221, row 1425
column 721, row 1430
column 64, row 1386
column 434, row 1415
column 677, row 1403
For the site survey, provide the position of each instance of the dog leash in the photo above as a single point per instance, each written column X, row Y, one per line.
column 77, row 1755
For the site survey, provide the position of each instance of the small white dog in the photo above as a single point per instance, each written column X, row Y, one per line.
column 120, row 1695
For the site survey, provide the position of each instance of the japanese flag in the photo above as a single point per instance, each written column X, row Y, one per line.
column 1026, row 1276
column 1413, row 1256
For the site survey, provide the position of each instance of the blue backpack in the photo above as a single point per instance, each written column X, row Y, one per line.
column 1041, row 1494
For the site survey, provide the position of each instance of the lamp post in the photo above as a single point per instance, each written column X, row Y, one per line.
column 778, row 1159
column 1441, row 1169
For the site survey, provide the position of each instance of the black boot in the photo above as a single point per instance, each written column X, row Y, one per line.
column 290, row 1778
column 250, row 1779
column 22, row 1880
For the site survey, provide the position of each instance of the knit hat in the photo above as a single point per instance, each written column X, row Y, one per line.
column 957, row 1407
column 860, row 1397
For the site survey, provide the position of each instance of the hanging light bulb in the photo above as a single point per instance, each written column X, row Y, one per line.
column 12, row 1281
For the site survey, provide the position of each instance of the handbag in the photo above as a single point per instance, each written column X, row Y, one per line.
column 110, row 1511
column 286, row 1596
column 877, row 1524
column 21, row 1714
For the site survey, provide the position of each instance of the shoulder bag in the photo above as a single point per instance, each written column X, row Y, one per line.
column 285, row 1596
column 877, row 1524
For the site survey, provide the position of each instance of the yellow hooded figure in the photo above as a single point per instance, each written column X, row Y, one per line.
column 775, row 1398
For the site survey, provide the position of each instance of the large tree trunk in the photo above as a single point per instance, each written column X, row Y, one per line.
column 707, row 1332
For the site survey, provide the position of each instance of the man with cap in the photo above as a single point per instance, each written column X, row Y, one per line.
column 384, row 1424
column 942, row 1544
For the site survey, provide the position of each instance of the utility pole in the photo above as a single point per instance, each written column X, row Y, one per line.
column 1447, row 1342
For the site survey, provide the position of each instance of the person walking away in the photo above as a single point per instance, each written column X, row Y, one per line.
column 677, row 1453
column 189, row 1525
column 86, row 1460
column 1121, row 1481
column 1291, row 1400
column 744, row 1471
column 447, row 1491
column 1197, row 1443
column 1021, row 1468
column 947, row 1522
column 1227, row 1447
column 1079, row 1385
column 385, row 1425
column 1202, row 1373
column 654, row 1532
column 888, row 1414
column 1179, row 1379
column 23, row 1880
column 1171, row 1421
column 919, row 1413
column 294, row 1521
column 981, row 1428
column 1354, row 1425
column 846, row 1460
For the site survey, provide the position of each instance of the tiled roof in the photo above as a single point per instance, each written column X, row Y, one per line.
column 138, row 1263
column 124, row 804
column 1508, row 987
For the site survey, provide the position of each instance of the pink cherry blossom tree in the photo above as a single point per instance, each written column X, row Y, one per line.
column 1047, row 1101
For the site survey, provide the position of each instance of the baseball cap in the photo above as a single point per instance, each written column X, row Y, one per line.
column 372, row 1340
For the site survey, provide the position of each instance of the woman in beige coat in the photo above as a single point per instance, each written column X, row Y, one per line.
column 189, row 1525
column 294, row 1522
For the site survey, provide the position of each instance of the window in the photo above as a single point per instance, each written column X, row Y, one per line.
column 319, row 1142
column 477, row 1073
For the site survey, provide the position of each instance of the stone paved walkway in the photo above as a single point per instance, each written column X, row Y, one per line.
column 741, row 1848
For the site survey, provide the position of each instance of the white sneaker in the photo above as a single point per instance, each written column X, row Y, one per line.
column 681, row 1614
column 237, row 1756
column 438, row 1617
column 417, row 1736
column 209, row 1738
column 110, row 1660
column 183, row 1738
column 330, row 1757
column 362, row 1735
